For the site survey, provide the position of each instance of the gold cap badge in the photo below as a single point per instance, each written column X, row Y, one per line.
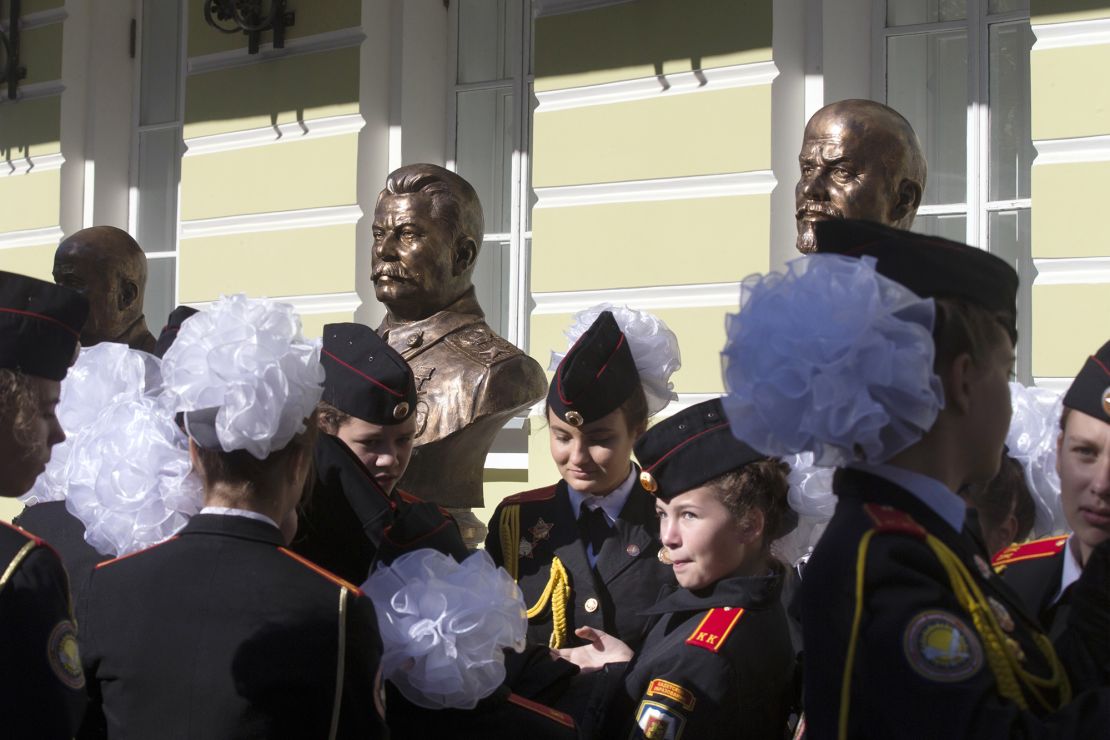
column 1106, row 400
column 573, row 418
column 647, row 481
column 401, row 410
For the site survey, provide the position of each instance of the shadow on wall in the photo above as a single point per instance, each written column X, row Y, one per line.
column 649, row 33
column 27, row 125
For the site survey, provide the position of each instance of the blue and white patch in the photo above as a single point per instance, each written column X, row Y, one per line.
column 939, row 646
column 659, row 722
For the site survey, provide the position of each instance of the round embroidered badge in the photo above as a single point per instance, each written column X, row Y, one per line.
column 61, row 652
column 940, row 647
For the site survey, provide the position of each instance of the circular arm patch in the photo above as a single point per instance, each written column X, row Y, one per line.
column 939, row 646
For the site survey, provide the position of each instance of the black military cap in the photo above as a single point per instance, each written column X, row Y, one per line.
column 929, row 266
column 419, row 525
column 596, row 376
column 688, row 449
column 365, row 377
column 1090, row 391
column 169, row 331
column 40, row 325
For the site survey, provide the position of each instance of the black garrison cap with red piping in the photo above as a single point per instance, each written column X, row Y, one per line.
column 596, row 376
column 40, row 325
column 929, row 266
column 365, row 377
column 169, row 331
column 1090, row 391
column 688, row 449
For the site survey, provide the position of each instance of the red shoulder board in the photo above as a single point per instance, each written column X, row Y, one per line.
column 543, row 710
column 101, row 564
column 889, row 519
column 325, row 573
column 1017, row 552
column 714, row 628
column 538, row 494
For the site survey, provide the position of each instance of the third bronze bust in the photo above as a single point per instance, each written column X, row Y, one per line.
column 859, row 159
column 469, row 381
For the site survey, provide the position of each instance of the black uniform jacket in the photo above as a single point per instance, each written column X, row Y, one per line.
column 1037, row 581
column 717, row 663
column 51, row 521
column 220, row 632
column 628, row 574
column 42, row 688
column 918, row 666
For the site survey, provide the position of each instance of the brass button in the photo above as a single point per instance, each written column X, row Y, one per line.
column 591, row 605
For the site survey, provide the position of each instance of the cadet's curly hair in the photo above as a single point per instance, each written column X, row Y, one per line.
column 758, row 485
column 19, row 405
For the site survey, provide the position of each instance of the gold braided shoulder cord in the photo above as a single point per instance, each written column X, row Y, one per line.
column 1006, row 667
column 557, row 590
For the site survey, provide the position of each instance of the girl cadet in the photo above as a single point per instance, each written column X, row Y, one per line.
column 221, row 631
column 1043, row 571
column 888, row 353
column 717, row 661
column 586, row 551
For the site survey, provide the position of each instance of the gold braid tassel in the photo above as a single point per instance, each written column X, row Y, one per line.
column 557, row 590
column 1003, row 662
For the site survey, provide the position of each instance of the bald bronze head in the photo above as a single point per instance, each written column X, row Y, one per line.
column 859, row 159
column 108, row 267
column 427, row 233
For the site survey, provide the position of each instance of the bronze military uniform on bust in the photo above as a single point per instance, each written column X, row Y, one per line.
column 427, row 232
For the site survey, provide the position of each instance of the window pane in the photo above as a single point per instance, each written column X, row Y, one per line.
column 1008, row 232
column 906, row 12
column 927, row 83
column 1011, row 142
column 486, row 31
column 156, row 212
column 491, row 284
column 484, row 151
column 160, row 294
column 158, row 94
column 948, row 226
column 1003, row 6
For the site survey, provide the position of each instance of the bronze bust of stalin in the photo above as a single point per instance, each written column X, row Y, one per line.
column 108, row 267
column 469, row 381
column 860, row 159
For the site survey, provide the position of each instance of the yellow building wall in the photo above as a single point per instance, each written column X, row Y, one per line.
column 1071, row 130
column 647, row 194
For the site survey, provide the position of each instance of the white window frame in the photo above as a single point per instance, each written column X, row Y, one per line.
column 977, row 206
column 519, row 235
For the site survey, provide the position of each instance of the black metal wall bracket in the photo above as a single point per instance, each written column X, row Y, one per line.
column 233, row 16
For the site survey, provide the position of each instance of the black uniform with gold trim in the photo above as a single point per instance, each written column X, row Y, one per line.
column 628, row 575
column 66, row 534
column 717, row 663
column 42, row 687
column 222, row 632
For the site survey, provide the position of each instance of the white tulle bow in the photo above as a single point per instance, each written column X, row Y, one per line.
column 247, row 358
column 654, row 349
column 445, row 626
column 832, row 358
column 1031, row 440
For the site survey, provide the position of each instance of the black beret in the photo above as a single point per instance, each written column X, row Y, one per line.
column 929, row 266
column 688, row 449
column 40, row 325
column 365, row 377
column 1090, row 391
column 169, row 331
column 596, row 376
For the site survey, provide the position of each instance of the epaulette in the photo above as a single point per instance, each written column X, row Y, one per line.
column 714, row 628
column 889, row 519
column 100, row 565
column 536, row 494
column 1015, row 553
column 479, row 343
column 10, row 559
column 39, row 541
column 543, row 710
column 321, row 571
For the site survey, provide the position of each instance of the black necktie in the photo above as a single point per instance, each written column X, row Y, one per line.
column 594, row 527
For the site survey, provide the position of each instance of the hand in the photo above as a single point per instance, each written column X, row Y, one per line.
column 603, row 649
